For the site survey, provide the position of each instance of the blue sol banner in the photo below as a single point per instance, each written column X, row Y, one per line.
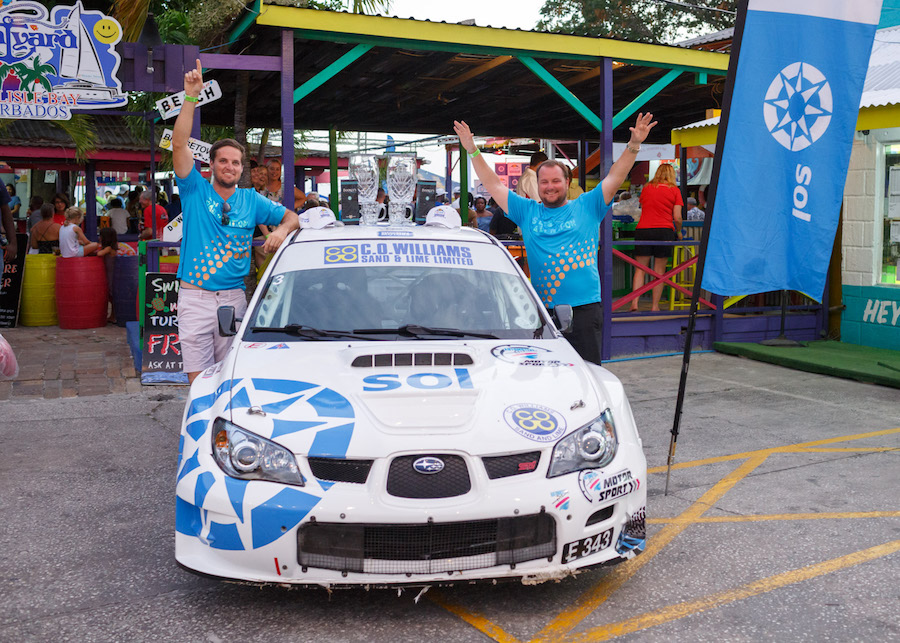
column 783, row 164
column 52, row 62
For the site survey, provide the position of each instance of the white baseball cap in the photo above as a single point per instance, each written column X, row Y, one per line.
column 443, row 216
column 318, row 218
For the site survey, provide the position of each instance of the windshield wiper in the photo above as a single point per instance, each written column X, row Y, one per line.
column 309, row 332
column 414, row 330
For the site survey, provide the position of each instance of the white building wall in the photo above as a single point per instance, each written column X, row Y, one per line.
column 858, row 259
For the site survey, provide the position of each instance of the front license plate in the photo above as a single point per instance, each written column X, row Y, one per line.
column 587, row 546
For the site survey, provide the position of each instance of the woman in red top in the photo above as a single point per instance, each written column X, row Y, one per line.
column 60, row 205
column 660, row 221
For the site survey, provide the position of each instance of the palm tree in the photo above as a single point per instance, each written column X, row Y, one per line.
column 35, row 74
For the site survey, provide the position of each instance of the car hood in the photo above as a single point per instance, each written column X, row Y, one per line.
column 371, row 399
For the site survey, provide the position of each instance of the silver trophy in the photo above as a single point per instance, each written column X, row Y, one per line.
column 364, row 169
column 402, row 171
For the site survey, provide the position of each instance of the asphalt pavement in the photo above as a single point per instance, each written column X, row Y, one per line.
column 782, row 523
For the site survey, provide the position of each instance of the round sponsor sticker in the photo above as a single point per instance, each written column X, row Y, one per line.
column 515, row 353
column 538, row 423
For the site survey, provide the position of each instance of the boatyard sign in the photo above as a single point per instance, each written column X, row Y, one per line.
column 52, row 62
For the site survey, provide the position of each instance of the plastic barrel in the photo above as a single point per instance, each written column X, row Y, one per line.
column 125, row 288
column 169, row 264
column 81, row 292
column 39, row 291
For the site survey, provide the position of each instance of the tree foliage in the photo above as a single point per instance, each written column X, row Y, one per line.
column 651, row 21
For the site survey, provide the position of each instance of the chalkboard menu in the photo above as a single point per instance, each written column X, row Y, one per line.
column 350, row 201
column 425, row 193
column 161, row 352
column 11, row 284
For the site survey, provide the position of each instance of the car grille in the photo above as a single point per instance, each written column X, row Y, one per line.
column 427, row 548
column 405, row 482
column 413, row 359
column 503, row 466
column 337, row 470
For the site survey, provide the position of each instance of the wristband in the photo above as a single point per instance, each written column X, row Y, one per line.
column 635, row 150
column 192, row 99
column 475, row 153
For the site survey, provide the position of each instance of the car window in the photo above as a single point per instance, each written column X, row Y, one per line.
column 390, row 296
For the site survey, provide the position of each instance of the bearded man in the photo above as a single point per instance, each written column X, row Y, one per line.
column 561, row 236
column 219, row 220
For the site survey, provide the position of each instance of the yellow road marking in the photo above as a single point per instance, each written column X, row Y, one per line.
column 675, row 612
column 594, row 597
column 765, row 517
column 846, row 450
column 784, row 449
column 477, row 621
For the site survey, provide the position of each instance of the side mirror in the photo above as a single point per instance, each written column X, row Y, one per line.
column 562, row 315
column 226, row 318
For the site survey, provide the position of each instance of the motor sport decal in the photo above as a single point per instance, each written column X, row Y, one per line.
column 399, row 252
column 535, row 422
column 587, row 546
column 249, row 514
column 560, row 500
column 597, row 488
column 525, row 355
column 633, row 536
column 421, row 381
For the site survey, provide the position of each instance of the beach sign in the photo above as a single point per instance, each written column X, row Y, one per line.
column 171, row 105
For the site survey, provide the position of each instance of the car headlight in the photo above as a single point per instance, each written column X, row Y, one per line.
column 245, row 455
column 591, row 447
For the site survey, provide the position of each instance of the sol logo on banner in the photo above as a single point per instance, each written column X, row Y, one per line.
column 798, row 106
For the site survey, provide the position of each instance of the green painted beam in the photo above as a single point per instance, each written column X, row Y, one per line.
column 245, row 22
column 701, row 78
column 329, row 72
column 644, row 96
column 563, row 92
column 463, row 185
column 334, row 199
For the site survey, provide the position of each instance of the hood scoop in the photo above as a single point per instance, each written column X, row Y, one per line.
column 412, row 359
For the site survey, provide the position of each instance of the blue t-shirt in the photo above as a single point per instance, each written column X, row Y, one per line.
column 214, row 256
column 562, row 246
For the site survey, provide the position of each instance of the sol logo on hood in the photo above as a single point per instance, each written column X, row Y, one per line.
column 525, row 355
column 538, row 423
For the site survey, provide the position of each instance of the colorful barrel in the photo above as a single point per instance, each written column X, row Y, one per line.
column 125, row 288
column 81, row 293
column 39, row 291
column 169, row 264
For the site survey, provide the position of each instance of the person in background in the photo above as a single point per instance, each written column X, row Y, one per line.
column 575, row 190
column 380, row 205
column 11, row 247
column 628, row 206
column 60, row 205
column 501, row 227
column 693, row 212
column 118, row 216
column 109, row 248
column 45, row 233
column 15, row 203
column 455, row 202
column 661, row 206
column 34, row 211
column 157, row 212
column 174, row 208
column 482, row 216
column 274, row 188
column 528, row 183
column 72, row 242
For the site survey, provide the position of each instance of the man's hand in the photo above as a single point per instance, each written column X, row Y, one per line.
column 465, row 136
column 642, row 127
column 274, row 239
column 11, row 251
column 193, row 81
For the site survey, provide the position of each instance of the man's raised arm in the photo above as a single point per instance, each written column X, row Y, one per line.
column 488, row 178
column 182, row 159
column 620, row 169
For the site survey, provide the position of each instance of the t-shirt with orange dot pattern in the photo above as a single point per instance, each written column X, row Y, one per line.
column 216, row 256
column 562, row 246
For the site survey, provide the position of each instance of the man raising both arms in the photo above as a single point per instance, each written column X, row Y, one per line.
column 561, row 237
column 219, row 220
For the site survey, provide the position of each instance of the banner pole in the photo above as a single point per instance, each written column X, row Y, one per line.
column 704, row 242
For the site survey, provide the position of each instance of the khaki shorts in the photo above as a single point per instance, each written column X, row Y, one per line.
column 198, row 327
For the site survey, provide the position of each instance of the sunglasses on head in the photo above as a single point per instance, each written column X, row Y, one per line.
column 225, row 210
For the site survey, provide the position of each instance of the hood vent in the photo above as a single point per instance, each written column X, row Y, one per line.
column 413, row 359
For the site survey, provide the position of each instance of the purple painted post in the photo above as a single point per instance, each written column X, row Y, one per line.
column 300, row 180
column 606, row 145
column 582, row 163
column 287, row 115
column 191, row 55
column 90, row 201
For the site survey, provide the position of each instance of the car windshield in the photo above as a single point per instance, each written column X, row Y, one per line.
column 395, row 302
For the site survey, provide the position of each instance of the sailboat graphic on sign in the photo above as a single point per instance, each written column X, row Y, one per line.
column 82, row 64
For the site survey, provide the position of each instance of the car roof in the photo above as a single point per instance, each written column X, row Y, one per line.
column 398, row 233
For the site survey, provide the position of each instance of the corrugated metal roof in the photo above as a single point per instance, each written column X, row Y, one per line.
column 705, row 123
column 883, row 78
column 724, row 34
column 112, row 134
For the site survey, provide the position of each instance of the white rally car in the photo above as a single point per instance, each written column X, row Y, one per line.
column 399, row 408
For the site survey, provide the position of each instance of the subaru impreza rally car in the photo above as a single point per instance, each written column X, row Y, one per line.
column 399, row 408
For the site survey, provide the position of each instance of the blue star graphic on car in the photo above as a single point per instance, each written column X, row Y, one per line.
column 798, row 105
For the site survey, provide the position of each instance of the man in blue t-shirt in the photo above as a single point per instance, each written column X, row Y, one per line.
column 218, row 224
column 561, row 236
